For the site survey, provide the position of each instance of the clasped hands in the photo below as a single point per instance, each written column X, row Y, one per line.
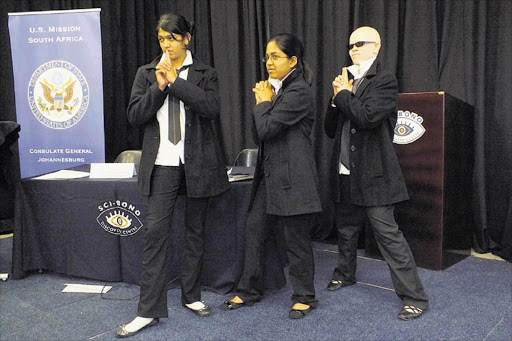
column 341, row 82
column 165, row 73
column 263, row 91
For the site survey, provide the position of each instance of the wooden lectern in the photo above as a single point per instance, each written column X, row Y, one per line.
column 434, row 143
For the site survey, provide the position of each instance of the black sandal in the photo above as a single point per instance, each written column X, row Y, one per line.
column 335, row 285
column 409, row 312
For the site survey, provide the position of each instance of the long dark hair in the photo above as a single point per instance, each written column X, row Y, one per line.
column 291, row 46
column 175, row 23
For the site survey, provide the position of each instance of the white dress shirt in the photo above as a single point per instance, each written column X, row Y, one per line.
column 363, row 68
column 168, row 153
column 277, row 84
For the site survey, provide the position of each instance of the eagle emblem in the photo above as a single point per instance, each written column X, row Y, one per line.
column 58, row 94
column 58, row 97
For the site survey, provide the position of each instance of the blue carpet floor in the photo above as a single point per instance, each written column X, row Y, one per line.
column 472, row 300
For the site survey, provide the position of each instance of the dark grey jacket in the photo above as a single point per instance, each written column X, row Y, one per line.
column 375, row 175
column 205, row 167
column 285, row 156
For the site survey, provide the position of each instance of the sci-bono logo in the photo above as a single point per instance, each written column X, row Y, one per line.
column 408, row 127
column 119, row 217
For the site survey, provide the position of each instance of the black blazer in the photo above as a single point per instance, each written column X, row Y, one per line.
column 285, row 157
column 205, row 167
column 375, row 175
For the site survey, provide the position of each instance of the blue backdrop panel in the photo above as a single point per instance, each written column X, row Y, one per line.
column 58, row 88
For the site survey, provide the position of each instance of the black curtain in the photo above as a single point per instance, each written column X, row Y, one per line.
column 463, row 47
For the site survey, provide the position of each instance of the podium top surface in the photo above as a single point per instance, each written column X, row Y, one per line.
column 436, row 94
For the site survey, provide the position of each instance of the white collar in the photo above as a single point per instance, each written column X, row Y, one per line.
column 363, row 68
column 277, row 84
column 188, row 59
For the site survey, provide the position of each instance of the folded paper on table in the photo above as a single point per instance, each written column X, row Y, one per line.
column 112, row 170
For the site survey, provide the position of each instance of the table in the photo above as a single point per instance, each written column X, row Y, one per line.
column 63, row 226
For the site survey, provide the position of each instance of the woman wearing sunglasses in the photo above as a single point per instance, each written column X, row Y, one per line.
column 365, row 173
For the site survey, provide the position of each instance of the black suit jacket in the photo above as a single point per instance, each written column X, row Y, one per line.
column 375, row 175
column 285, row 157
column 205, row 167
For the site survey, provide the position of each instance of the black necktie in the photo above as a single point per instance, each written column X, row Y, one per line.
column 174, row 114
column 345, row 133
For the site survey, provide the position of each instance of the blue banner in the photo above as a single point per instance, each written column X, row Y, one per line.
column 58, row 85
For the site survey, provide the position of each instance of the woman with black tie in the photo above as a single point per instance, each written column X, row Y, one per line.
column 286, row 181
column 175, row 100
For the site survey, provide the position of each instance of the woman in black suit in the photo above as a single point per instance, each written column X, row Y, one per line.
column 175, row 100
column 286, row 181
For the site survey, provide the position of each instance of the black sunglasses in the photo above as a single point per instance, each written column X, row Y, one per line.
column 358, row 44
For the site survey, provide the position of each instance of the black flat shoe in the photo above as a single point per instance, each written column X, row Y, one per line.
column 409, row 312
column 298, row 314
column 335, row 285
column 121, row 332
column 203, row 312
column 228, row 305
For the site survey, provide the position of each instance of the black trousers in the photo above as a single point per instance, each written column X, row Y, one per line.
column 297, row 234
column 390, row 240
column 165, row 187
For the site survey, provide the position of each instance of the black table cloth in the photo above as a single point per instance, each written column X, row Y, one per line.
column 57, row 228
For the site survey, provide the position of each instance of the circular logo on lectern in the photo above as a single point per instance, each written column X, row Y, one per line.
column 58, row 94
column 408, row 127
column 119, row 217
